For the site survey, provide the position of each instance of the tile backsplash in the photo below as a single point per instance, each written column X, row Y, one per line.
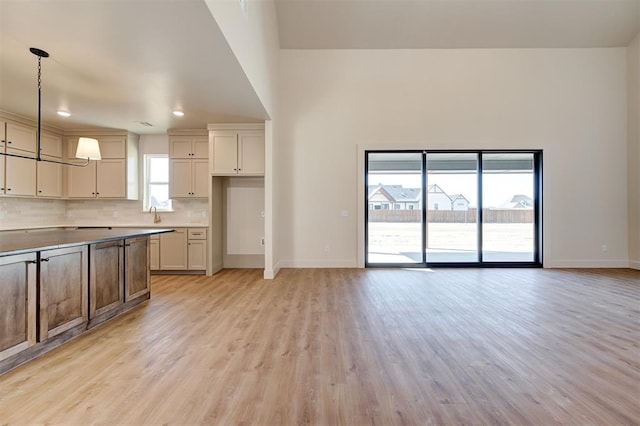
column 22, row 213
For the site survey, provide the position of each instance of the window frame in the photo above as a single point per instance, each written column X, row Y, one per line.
column 146, row 205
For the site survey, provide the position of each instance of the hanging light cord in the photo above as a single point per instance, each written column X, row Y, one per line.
column 40, row 54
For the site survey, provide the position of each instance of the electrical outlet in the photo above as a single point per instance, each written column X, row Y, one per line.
column 605, row 249
column 262, row 242
column 327, row 248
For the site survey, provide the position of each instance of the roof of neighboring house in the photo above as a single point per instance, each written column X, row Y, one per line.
column 455, row 197
column 518, row 201
column 397, row 193
column 435, row 188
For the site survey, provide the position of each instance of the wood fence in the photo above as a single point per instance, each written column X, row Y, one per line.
column 453, row 216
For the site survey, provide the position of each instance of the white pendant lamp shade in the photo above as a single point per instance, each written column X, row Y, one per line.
column 88, row 148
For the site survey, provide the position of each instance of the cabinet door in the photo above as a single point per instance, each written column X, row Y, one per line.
column 17, row 304
column 20, row 178
column 225, row 154
column 173, row 250
column 81, row 181
column 3, row 188
column 49, row 179
column 64, row 279
column 111, row 179
column 180, row 147
column 251, row 153
column 180, row 178
column 197, row 253
column 106, row 277
column 137, row 281
column 200, row 147
column 154, row 256
column 200, row 179
column 22, row 138
column 112, row 147
column 51, row 145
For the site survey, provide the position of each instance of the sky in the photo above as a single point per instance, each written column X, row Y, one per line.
column 498, row 188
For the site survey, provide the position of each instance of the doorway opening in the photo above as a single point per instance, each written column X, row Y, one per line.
column 453, row 208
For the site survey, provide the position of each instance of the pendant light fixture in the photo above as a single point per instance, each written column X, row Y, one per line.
column 88, row 148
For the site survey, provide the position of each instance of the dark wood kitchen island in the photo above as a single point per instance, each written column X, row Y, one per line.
column 56, row 284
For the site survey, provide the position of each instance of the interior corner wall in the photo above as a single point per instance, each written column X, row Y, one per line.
column 633, row 150
column 571, row 103
column 253, row 38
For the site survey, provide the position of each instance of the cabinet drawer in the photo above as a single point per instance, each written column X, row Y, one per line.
column 197, row 234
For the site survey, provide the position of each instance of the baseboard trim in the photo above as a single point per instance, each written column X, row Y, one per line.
column 316, row 263
column 270, row 274
column 587, row 264
column 634, row 264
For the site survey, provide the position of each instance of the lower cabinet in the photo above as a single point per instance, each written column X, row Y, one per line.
column 64, row 275
column 17, row 303
column 137, row 280
column 185, row 249
column 106, row 281
column 173, row 250
column 119, row 274
column 154, row 252
column 50, row 296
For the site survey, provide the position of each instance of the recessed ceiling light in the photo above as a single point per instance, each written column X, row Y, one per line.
column 64, row 113
column 178, row 113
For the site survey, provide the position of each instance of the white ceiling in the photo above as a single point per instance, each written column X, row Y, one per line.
column 421, row 24
column 115, row 63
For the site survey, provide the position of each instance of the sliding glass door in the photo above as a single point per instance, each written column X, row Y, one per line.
column 394, row 208
column 508, row 225
column 453, row 208
column 452, row 189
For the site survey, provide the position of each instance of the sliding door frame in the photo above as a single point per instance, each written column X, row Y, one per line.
column 537, row 210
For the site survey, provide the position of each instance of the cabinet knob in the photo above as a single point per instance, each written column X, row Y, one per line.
column 8, row 189
column 39, row 191
column 9, row 142
column 44, row 260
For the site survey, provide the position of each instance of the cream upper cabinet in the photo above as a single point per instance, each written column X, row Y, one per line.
column 21, row 138
column 20, row 175
column 188, row 178
column 188, row 147
column 51, row 145
column 49, row 179
column 237, row 152
column 188, row 164
column 251, row 152
column 49, row 174
column 115, row 176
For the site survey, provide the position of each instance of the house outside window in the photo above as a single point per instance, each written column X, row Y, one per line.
column 156, row 182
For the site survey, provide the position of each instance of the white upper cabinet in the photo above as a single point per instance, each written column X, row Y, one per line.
column 188, row 164
column 237, row 152
column 189, row 147
column 115, row 176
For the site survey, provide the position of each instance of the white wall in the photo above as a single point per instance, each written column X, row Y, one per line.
column 633, row 150
column 253, row 38
column 569, row 102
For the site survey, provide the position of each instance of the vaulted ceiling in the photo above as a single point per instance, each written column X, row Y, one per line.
column 119, row 63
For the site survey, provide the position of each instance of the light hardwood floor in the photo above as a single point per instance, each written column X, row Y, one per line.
column 352, row 347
